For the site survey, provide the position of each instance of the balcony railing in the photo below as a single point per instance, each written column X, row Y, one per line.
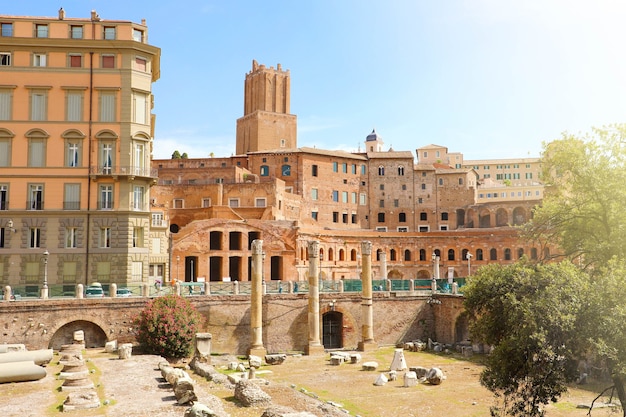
column 105, row 205
column 4, row 205
column 34, row 205
column 71, row 205
column 118, row 170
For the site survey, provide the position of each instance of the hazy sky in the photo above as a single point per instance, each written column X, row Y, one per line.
column 488, row 78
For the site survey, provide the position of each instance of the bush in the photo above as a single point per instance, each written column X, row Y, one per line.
column 167, row 326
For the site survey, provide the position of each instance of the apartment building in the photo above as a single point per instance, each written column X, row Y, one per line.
column 76, row 132
column 409, row 208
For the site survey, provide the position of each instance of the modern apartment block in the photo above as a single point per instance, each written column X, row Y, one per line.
column 76, row 132
column 409, row 208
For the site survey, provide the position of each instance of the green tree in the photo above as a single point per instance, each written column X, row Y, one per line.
column 184, row 155
column 176, row 155
column 167, row 326
column 532, row 316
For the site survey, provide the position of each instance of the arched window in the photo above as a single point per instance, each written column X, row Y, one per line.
column 493, row 254
column 378, row 254
column 440, row 181
column 381, row 170
column 451, row 254
column 507, row 254
column 353, row 255
column 331, row 256
column 285, row 170
column 520, row 253
column 461, row 181
column 392, row 255
column 265, row 170
column 342, row 255
column 407, row 255
column 533, row 253
column 479, row 255
column 400, row 170
column 422, row 254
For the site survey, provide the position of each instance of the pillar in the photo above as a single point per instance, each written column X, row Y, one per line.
column 314, row 346
column 383, row 264
column 367, row 326
column 256, row 300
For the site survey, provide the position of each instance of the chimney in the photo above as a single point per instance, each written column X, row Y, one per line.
column 94, row 16
column 61, row 14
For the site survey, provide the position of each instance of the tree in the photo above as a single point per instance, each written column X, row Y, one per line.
column 167, row 326
column 184, row 155
column 531, row 315
column 176, row 155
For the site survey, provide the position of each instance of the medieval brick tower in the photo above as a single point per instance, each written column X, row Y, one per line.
column 266, row 123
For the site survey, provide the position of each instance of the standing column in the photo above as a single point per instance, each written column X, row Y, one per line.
column 256, row 299
column 383, row 264
column 367, row 327
column 314, row 347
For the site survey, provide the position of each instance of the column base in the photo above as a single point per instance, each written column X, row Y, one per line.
column 314, row 350
column 367, row 346
column 258, row 351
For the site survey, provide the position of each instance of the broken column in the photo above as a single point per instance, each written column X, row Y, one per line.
column 367, row 326
column 383, row 264
column 314, row 346
column 398, row 363
column 256, row 300
column 203, row 347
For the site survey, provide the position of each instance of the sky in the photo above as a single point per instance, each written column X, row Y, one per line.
column 487, row 78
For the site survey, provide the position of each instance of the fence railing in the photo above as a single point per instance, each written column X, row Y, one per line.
column 411, row 286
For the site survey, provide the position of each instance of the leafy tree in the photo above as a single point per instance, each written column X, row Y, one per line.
column 176, row 155
column 184, row 155
column 167, row 326
column 531, row 315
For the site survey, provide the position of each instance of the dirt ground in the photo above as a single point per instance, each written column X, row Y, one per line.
column 134, row 388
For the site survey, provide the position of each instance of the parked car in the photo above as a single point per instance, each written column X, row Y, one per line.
column 124, row 292
column 94, row 292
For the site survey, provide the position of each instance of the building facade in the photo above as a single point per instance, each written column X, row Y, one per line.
column 76, row 132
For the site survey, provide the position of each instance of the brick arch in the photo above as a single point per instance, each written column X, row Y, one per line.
column 95, row 335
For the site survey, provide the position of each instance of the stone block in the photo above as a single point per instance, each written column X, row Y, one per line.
column 110, row 347
column 355, row 358
column 125, row 351
column 370, row 366
column 380, row 380
column 410, row 379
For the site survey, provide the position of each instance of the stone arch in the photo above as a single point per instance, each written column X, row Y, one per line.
column 141, row 135
column 95, row 336
column 502, row 217
column 6, row 133
column 73, row 134
column 106, row 134
column 423, row 274
column 519, row 216
column 484, row 218
column 394, row 274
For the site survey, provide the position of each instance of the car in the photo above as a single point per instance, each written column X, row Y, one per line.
column 124, row 292
column 94, row 292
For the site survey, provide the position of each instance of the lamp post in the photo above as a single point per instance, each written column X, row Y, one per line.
column 44, row 290
column 468, row 256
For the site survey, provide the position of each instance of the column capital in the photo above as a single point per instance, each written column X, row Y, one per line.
column 314, row 248
column 257, row 247
column 366, row 247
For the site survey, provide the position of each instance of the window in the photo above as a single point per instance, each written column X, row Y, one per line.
column 444, row 216
column 157, row 220
column 353, row 218
column 335, row 167
column 363, row 170
column 493, row 254
column 344, row 168
column 72, row 155
column 260, row 202
column 140, row 109
column 440, row 181
column 233, row 202
column 344, row 196
column 400, row 170
column 34, row 237
column 107, row 106
column 402, row 217
column 529, row 175
column 381, row 170
column 353, row 197
column 6, row 100
column 344, row 217
column 35, row 197
column 381, row 187
column 71, row 235
column 507, row 254
column 396, row 202
column 403, row 187
column 5, row 152
column 106, row 158
column 75, row 60
column 41, row 31
column 138, row 197
column 5, row 59
column 140, row 160
column 137, row 35
column 76, row 32
column 335, row 195
column 479, row 255
column 314, row 170
column 423, row 187
column 335, row 216
column 140, row 64
column 108, row 61
column 460, row 181
column 206, row 202
column 285, row 170
column 381, row 203
column 354, row 169
column 36, row 152
column 38, row 105
column 362, row 199
column 381, row 217
column 314, row 194
column 2, row 242
column 137, row 237
column 106, row 197
column 109, row 32
column 74, row 106
column 105, row 237
column 4, row 197
column 314, row 215
column 265, row 170
column 71, row 199
column 423, row 216
column 6, row 29
column 39, row 60
column 178, row 203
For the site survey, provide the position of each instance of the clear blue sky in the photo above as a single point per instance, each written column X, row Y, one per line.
column 488, row 78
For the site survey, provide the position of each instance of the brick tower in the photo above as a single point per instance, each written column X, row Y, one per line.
column 266, row 123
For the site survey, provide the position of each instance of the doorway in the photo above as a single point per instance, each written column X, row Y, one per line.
column 332, row 330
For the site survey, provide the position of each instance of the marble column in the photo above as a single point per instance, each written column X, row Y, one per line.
column 383, row 264
column 256, row 300
column 367, row 326
column 314, row 346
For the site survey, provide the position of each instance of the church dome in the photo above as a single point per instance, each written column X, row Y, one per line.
column 373, row 136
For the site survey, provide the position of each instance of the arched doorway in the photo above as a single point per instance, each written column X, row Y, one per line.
column 332, row 330
column 94, row 335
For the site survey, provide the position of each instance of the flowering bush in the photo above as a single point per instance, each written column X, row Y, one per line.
column 167, row 326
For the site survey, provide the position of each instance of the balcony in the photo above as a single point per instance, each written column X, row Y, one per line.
column 123, row 171
column 34, row 205
column 4, row 205
column 71, row 205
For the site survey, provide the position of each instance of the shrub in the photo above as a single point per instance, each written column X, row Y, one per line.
column 167, row 326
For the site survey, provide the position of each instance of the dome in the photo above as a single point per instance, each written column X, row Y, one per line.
column 373, row 136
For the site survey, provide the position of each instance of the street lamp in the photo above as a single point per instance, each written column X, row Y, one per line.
column 44, row 290
column 468, row 256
